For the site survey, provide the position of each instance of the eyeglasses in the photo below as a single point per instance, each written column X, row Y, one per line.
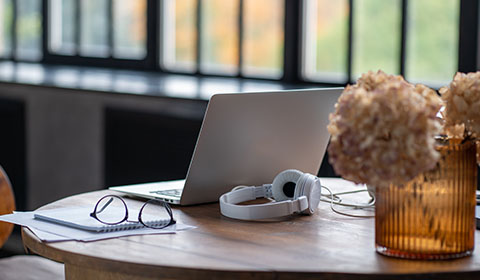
column 112, row 210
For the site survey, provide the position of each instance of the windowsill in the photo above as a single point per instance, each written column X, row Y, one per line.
column 133, row 82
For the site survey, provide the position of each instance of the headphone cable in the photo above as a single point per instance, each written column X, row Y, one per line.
column 336, row 200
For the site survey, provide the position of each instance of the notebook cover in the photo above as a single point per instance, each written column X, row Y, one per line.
column 79, row 217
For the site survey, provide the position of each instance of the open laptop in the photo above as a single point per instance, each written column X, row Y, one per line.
column 247, row 139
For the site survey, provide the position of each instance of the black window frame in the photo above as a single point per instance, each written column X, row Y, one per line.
column 292, row 64
column 147, row 63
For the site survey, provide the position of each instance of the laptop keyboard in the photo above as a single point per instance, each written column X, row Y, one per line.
column 174, row 193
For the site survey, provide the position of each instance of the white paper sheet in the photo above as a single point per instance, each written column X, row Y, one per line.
column 51, row 232
column 47, row 236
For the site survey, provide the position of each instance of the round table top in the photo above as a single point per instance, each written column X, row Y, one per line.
column 325, row 244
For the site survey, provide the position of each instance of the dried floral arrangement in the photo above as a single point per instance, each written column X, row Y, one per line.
column 462, row 106
column 383, row 128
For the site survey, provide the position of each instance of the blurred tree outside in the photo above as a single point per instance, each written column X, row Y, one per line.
column 377, row 36
column 331, row 36
column 67, row 16
column 94, row 28
column 6, row 12
column 263, row 37
column 219, row 44
column 28, row 29
column 432, row 40
column 130, row 31
column 185, row 30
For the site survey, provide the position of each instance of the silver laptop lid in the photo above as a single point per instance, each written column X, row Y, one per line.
column 247, row 139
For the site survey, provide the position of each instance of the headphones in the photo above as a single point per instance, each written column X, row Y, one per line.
column 292, row 190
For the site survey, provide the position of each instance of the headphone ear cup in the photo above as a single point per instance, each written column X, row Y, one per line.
column 282, row 180
column 313, row 191
column 300, row 187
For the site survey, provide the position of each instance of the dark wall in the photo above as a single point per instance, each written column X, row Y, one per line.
column 13, row 147
column 147, row 147
column 326, row 170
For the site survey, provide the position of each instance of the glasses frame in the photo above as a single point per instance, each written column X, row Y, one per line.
column 125, row 219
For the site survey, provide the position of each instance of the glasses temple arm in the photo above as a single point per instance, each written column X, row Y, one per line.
column 105, row 206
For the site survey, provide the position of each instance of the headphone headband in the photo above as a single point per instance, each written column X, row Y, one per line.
column 229, row 208
column 303, row 198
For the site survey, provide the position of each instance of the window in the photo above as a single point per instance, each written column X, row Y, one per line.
column 432, row 37
column 20, row 29
column 229, row 37
column 325, row 40
column 6, row 15
column 376, row 38
column 179, row 34
column 62, row 27
column 263, row 36
column 294, row 41
column 418, row 39
column 98, row 28
column 28, row 29
column 130, row 33
column 93, row 29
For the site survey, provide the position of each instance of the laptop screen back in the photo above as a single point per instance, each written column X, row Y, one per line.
column 247, row 139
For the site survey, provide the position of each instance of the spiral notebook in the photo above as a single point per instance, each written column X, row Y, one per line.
column 79, row 217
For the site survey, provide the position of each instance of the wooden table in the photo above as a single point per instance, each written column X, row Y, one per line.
column 326, row 245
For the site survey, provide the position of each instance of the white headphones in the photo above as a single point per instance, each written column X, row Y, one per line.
column 293, row 191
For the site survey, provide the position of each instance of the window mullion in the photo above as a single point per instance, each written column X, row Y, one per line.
column 350, row 41
column 199, row 36
column 77, row 27
column 241, row 4
column 154, row 39
column 45, row 27
column 468, row 36
column 111, row 30
column 13, row 31
column 403, row 39
column 292, row 41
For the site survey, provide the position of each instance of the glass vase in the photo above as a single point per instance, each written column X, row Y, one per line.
column 433, row 215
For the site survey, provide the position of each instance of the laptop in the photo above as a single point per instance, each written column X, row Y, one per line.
column 247, row 139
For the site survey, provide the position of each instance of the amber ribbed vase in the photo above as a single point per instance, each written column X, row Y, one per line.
column 433, row 215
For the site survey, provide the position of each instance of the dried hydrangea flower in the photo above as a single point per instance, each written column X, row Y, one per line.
column 462, row 102
column 456, row 131
column 383, row 129
column 478, row 152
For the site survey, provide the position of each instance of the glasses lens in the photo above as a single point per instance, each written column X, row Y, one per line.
column 156, row 214
column 111, row 210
